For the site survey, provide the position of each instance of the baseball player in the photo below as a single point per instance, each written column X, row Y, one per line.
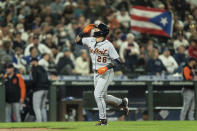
column 104, row 58
column 15, row 93
column 40, row 84
column 188, row 92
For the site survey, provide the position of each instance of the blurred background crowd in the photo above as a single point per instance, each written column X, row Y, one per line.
column 46, row 29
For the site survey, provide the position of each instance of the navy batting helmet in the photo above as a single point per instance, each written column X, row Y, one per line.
column 104, row 31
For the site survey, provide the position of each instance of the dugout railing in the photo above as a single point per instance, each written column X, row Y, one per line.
column 150, row 85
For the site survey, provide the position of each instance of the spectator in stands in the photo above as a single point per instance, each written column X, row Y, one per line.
column 168, row 61
column 142, row 57
column 44, row 62
column 6, row 53
column 41, row 85
column 18, row 42
column 41, row 48
column 65, row 65
column 64, row 20
column 56, row 7
column 113, row 22
column 123, row 18
column 15, row 93
column 180, row 58
column 129, row 51
column 7, row 46
column 154, row 64
column 82, row 63
column 118, row 36
column 180, row 41
column 189, row 27
column 48, row 42
column 57, row 56
column 20, row 29
column 188, row 92
column 193, row 47
column 19, row 60
column 149, row 49
column 33, row 54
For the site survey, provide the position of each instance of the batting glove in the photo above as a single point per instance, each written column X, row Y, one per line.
column 88, row 28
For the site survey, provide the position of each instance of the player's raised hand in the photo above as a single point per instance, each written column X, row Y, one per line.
column 88, row 28
column 102, row 70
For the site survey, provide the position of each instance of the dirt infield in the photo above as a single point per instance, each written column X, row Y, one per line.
column 27, row 129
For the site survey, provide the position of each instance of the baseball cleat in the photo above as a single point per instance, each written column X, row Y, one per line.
column 102, row 122
column 124, row 106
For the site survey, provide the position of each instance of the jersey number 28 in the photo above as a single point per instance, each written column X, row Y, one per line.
column 102, row 59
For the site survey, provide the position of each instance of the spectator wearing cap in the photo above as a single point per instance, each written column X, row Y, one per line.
column 129, row 51
column 19, row 61
column 15, row 93
column 40, row 47
column 188, row 91
column 193, row 48
column 82, row 63
column 65, row 65
column 180, row 41
column 168, row 61
column 40, row 84
column 154, row 64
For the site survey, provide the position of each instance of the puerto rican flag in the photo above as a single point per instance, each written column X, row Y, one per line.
column 152, row 21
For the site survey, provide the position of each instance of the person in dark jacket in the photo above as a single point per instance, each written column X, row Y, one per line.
column 155, row 65
column 41, row 85
column 15, row 93
column 180, row 58
column 65, row 65
column 188, row 92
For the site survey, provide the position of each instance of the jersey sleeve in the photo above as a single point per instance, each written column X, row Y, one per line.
column 112, row 52
column 186, row 73
column 86, row 40
column 22, row 87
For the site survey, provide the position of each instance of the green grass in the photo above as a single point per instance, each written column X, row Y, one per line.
column 112, row 126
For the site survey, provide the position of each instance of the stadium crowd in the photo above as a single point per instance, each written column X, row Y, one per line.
column 46, row 29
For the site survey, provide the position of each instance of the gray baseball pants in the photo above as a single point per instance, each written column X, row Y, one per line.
column 188, row 104
column 15, row 107
column 101, row 83
column 39, row 105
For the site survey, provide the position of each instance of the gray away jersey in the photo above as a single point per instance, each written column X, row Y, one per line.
column 101, row 53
